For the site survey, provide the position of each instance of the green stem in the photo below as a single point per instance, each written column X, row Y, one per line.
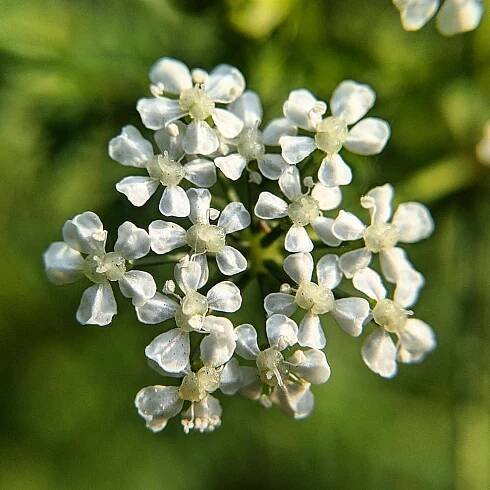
column 153, row 260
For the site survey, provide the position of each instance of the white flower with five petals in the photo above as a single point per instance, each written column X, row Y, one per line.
column 454, row 17
column 195, row 95
column 203, row 237
column 167, row 168
column 415, row 339
column 304, row 209
column 411, row 223
column 84, row 235
column 350, row 102
column 317, row 299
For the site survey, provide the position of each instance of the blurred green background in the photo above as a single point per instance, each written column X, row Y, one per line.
column 71, row 72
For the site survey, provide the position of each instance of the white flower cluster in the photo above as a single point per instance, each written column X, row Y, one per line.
column 203, row 122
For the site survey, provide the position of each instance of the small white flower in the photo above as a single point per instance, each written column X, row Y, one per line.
column 171, row 349
column 251, row 143
column 131, row 149
column 317, row 299
column 415, row 338
column 195, row 95
column 274, row 372
column 483, row 147
column 350, row 102
column 411, row 223
column 303, row 210
column 84, row 235
column 157, row 404
column 203, row 237
column 454, row 17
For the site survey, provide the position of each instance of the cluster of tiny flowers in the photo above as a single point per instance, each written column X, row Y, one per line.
column 207, row 127
column 453, row 17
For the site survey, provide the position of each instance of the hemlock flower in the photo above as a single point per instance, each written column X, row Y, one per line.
column 171, row 350
column 251, row 143
column 454, row 17
column 317, row 299
column 196, row 96
column 349, row 103
column 167, row 168
column 85, row 235
column 203, row 237
column 304, row 209
column 415, row 339
column 157, row 404
column 282, row 379
column 410, row 223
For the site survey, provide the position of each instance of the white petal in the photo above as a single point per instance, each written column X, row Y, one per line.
column 224, row 296
column 350, row 314
column 296, row 148
column 408, row 285
column 353, row 261
column 137, row 189
column 393, row 261
column 347, row 226
column 63, row 264
column 328, row 198
column 328, row 271
column 203, row 262
column 296, row 400
column 289, row 183
column 97, row 306
column 225, row 84
column 246, row 344
column 378, row 202
column 323, row 228
column 413, row 221
column 200, row 138
column 188, row 274
column 275, row 129
column 201, row 172
column 139, row 286
column 303, row 109
column 310, row 333
column 234, row 217
column 230, row 261
column 334, row 171
column 368, row 137
column 416, row 13
column 156, row 310
column 297, row 240
column 173, row 74
column 299, row 267
column 85, row 233
column 227, row 123
column 165, row 236
column 132, row 242
column 272, row 165
column 369, row 282
column 248, row 108
column 417, row 339
column 379, row 353
column 217, row 349
column 157, row 113
column 130, row 148
column 157, row 404
column 231, row 378
column 351, row 100
column 170, row 350
column 200, row 200
column 310, row 365
column 270, row 206
column 281, row 331
column 279, row 303
column 232, row 165
column 174, row 202
column 171, row 141
column 458, row 16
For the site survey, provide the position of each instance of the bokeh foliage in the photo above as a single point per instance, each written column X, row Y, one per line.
column 71, row 72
